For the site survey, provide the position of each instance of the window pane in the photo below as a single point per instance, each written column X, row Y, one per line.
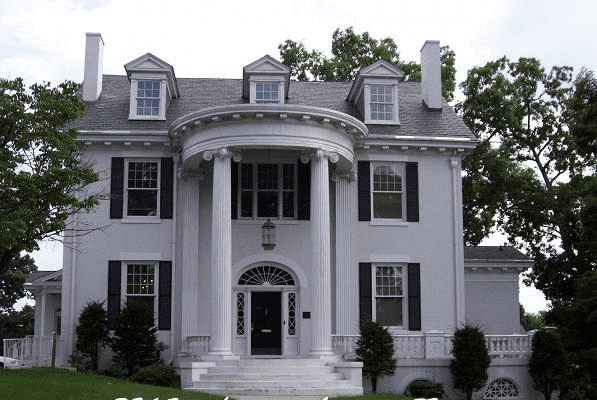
column 288, row 176
column 142, row 202
column 387, row 205
column 247, row 176
column 388, row 311
column 267, row 176
column 246, row 204
column 288, row 205
column 267, row 204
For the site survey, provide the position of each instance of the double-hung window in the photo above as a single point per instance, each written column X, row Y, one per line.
column 387, row 190
column 381, row 103
column 268, row 190
column 141, row 284
column 148, row 97
column 389, row 294
column 142, row 188
column 267, row 93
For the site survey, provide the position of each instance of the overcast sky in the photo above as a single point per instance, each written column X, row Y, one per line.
column 44, row 40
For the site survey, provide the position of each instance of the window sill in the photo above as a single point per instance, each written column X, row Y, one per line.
column 262, row 221
column 133, row 117
column 388, row 222
column 381, row 122
column 141, row 220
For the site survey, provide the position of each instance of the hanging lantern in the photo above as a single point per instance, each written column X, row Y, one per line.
column 268, row 235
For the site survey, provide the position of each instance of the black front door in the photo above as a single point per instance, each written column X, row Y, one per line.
column 266, row 323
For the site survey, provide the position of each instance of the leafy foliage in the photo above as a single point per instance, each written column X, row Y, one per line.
column 16, row 324
column 530, row 321
column 527, row 178
column 158, row 375
column 92, row 331
column 375, row 348
column 39, row 168
column 351, row 52
column 471, row 360
column 426, row 389
column 547, row 365
column 12, row 280
column 135, row 342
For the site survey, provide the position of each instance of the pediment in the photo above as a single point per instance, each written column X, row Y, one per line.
column 267, row 65
column 382, row 68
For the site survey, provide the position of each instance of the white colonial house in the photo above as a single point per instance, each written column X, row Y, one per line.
column 262, row 219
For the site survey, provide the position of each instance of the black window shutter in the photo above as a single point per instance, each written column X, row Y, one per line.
column 412, row 192
column 234, row 190
column 114, row 278
column 165, row 296
column 304, row 191
column 414, row 297
column 167, row 188
column 116, row 187
column 364, row 189
column 365, row 295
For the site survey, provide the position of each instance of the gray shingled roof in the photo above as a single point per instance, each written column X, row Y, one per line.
column 111, row 110
column 494, row 253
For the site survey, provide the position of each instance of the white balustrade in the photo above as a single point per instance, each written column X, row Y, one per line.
column 198, row 345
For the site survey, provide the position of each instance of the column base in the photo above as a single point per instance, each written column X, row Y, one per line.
column 323, row 354
column 219, row 355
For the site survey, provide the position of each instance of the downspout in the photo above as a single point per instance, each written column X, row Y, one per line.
column 174, row 248
column 72, row 284
column 458, row 242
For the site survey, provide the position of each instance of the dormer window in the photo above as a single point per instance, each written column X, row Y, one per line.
column 381, row 103
column 148, row 97
column 375, row 93
column 266, row 81
column 153, row 86
column 267, row 92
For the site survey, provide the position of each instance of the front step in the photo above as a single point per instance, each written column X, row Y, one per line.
column 275, row 377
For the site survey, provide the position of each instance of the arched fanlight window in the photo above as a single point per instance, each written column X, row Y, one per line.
column 502, row 388
column 266, row 275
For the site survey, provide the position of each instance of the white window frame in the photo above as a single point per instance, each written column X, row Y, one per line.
column 126, row 189
column 156, row 279
column 253, row 91
column 135, row 79
column 402, row 171
column 280, row 191
column 395, row 120
column 404, row 295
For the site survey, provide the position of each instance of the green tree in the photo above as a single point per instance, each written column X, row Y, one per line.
column 351, row 52
column 548, row 363
column 375, row 348
column 527, row 178
column 40, row 171
column 12, row 280
column 16, row 324
column 471, row 360
column 530, row 321
column 92, row 331
column 135, row 342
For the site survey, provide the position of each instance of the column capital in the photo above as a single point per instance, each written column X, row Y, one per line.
column 222, row 152
column 349, row 176
column 332, row 156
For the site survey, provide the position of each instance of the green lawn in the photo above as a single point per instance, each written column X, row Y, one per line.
column 61, row 384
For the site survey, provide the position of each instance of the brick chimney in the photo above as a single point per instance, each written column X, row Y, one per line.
column 431, row 77
column 92, row 78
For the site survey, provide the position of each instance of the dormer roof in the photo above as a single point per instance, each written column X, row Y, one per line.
column 266, row 67
column 148, row 63
column 379, row 69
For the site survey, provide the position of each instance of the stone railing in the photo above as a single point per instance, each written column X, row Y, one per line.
column 34, row 350
column 437, row 345
column 198, row 345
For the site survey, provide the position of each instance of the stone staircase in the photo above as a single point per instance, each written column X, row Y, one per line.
column 274, row 377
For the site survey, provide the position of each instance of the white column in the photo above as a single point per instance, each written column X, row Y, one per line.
column 458, row 241
column 190, row 257
column 346, row 287
column 220, row 343
column 321, row 322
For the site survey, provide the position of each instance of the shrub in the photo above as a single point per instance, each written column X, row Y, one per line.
column 92, row 331
column 156, row 374
column 426, row 389
column 114, row 371
column 375, row 348
column 471, row 360
column 135, row 343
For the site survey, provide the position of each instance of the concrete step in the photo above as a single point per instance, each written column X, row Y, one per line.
column 265, row 382
column 277, row 393
column 218, row 375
